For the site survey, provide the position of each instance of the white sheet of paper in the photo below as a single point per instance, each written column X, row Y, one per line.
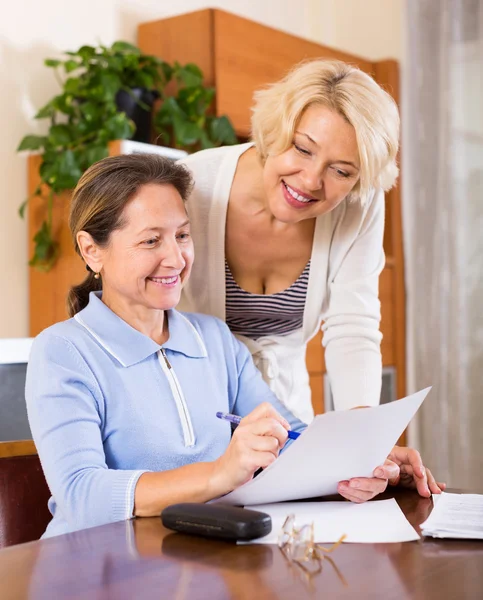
column 336, row 446
column 379, row 521
column 455, row 516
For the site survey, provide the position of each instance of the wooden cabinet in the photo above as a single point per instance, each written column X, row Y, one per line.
column 239, row 56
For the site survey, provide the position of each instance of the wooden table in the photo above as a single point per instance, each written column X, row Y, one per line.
column 140, row 559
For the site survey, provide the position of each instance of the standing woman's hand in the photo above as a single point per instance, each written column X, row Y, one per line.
column 255, row 444
column 413, row 474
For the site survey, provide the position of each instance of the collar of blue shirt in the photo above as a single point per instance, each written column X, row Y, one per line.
column 128, row 345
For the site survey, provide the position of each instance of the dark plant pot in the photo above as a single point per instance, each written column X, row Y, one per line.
column 128, row 103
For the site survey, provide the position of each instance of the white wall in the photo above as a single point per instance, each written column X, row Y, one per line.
column 31, row 31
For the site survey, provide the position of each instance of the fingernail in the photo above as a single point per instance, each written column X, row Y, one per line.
column 354, row 483
column 379, row 473
column 343, row 485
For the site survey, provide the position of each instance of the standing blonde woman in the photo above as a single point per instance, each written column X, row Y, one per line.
column 289, row 230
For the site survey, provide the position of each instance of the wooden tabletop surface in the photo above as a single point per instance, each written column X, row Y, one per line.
column 140, row 559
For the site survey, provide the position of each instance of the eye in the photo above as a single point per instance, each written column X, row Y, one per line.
column 151, row 242
column 183, row 236
column 340, row 173
column 301, row 150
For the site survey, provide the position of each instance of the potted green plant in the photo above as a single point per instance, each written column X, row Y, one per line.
column 107, row 94
column 84, row 117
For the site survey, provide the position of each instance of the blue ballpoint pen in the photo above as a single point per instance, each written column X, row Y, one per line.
column 293, row 435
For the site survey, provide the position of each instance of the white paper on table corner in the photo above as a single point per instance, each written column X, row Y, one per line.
column 336, row 446
column 379, row 521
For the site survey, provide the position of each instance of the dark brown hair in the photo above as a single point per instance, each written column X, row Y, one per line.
column 101, row 195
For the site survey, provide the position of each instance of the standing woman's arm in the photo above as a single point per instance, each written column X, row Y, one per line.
column 352, row 338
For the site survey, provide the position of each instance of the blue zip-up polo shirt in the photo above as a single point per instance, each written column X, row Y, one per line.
column 106, row 403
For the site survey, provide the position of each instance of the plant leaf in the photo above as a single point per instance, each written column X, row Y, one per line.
column 32, row 142
column 111, row 84
column 23, row 206
column 71, row 65
column 86, row 53
column 52, row 62
column 73, row 86
column 68, row 171
column 186, row 133
column 205, row 141
column 96, row 153
column 121, row 46
column 222, row 132
column 46, row 249
column 59, row 135
column 119, row 127
column 46, row 111
column 190, row 75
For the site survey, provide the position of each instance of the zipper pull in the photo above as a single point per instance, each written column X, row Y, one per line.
column 165, row 358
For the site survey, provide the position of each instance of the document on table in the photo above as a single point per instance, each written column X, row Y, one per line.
column 336, row 446
column 455, row 516
column 372, row 522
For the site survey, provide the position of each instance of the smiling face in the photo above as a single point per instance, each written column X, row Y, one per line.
column 318, row 170
column 148, row 259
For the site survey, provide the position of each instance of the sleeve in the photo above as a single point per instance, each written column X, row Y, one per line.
column 351, row 337
column 64, row 405
column 252, row 389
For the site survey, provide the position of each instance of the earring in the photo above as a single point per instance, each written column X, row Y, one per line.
column 97, row 275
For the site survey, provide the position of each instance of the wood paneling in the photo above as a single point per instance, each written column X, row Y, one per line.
column 386, row 73
column 18, row 448
column 186, row 38
column 386, row 295
column 48, row 291
column 315, row 355
column 317, row 390
column 315, row 351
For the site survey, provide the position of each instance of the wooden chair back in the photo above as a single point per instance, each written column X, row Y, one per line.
column 23, row 494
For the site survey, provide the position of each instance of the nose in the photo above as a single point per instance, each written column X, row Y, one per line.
column 172, row 255
column 313, row 178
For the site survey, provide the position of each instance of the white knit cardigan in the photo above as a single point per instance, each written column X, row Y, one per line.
column 342, row 295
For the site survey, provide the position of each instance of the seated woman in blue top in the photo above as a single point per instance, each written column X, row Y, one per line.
column 122, row 397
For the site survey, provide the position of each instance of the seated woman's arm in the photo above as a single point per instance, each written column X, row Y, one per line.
column 66, row 410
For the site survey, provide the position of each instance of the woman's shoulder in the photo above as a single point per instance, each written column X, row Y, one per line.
column 206, row 163
column 58, row 339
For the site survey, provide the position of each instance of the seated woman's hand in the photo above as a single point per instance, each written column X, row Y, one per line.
column 255, row 444
column 361, row 489
column 413, row 474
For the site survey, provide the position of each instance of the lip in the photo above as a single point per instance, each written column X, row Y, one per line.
column 292, row 201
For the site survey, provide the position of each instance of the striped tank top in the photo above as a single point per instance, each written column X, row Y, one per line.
column 257, row 315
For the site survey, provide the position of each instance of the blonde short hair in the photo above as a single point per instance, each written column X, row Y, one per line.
column 343, row 88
